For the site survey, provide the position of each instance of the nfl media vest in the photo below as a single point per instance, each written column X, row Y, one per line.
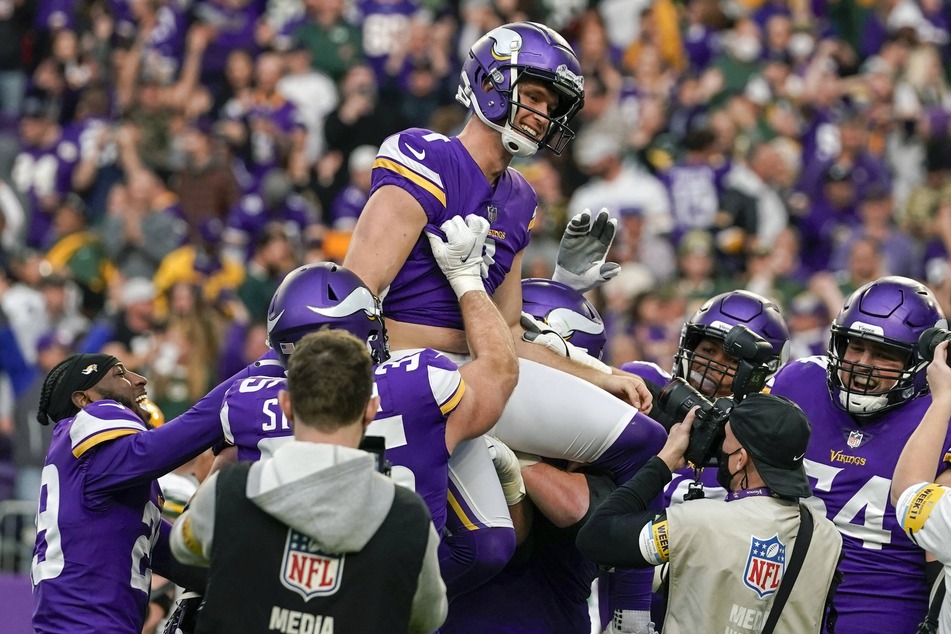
column 728, row 558
column 267, row 577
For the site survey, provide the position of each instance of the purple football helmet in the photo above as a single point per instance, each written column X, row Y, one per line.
column 508, row 55
column 566, row 311
column 713, row 320
column 892, row 311
column 324, row 295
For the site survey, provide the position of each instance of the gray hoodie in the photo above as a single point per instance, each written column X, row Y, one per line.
column 330, row 492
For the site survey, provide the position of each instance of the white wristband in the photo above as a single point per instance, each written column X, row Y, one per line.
column 462, row 285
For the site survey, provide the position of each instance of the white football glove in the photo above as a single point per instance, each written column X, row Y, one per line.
column 630, row 622
column 584, row 248
column 459, row 255
column 507, row 467
column 541, row 334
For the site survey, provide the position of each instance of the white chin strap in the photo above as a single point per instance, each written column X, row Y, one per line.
column 517, row 144
column 862, row 403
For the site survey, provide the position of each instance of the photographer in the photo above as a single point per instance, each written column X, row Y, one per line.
column 727, row 562
column 923, row 510
column 329, row 534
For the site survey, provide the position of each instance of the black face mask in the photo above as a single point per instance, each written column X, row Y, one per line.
column 724, row 477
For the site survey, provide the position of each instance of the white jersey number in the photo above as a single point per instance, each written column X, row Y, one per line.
column 873, row 497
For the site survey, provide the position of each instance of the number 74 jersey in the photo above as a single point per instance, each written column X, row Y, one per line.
column 850, row 467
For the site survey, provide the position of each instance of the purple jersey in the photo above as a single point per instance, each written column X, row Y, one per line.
column 251, row 417
column 850, row 467
column 40, row 174
column 82, row 578
column 439, row 172
column 694, row 195
column 678, row 486
column 417, row 393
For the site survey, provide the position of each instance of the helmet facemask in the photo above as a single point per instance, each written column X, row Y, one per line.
column 859, row 387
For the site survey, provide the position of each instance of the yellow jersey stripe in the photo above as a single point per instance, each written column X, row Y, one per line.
column 405, row 172
column 454, row 400
column 457, row 509
column 92, row 441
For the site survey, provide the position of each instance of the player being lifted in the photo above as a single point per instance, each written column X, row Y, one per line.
column 523, row 84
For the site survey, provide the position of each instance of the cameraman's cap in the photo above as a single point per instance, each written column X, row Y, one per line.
column 775, row 432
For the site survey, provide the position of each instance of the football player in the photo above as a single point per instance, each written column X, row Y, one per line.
column 702, row 362
column 523, row 84
column 427, row 406
column 100, row 503
column 864, row 399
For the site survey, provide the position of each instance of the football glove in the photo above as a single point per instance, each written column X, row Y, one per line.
column 459, row 255
column 507, row 467
column 584, row 248
column 539, row 333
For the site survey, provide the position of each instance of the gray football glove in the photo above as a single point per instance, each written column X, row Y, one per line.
column 584, row 248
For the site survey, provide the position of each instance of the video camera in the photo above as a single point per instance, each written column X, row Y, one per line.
column 756, row 361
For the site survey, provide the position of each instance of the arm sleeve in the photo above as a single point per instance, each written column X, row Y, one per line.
column 611, row 536
column 142, row 457
column 194, row 530
column 430, row 605
column 924, row 513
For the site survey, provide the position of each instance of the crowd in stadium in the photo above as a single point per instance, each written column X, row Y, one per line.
column 165, row 164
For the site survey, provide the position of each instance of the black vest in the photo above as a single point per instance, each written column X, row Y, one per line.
column 261, row 571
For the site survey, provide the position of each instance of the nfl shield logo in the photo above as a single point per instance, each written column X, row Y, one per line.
column 855, row 439
column 307, row 570
column 765, row 565
column 493, row 213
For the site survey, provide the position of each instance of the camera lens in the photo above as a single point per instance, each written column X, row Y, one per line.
column 929, row 340
column 678, row 398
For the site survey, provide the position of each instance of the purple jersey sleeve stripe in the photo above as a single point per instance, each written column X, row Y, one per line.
column 412, row 176
column 460, row 512
column 100, row 438
column 454, row 400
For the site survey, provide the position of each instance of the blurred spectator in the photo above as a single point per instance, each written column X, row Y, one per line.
column 186, row 348
column 15, row 19
column 758, row 180
column 808, row 321
column 315, row 96
column 616, row 184
column 659, row 31
column 829, row 219
column 271, row 133
column 21, row 300
column 901, row 255
column 335, row 44
column 273, row 258
column 235, row 26
column 62, row 300
column 44, row 167
column 693, row 184
column 12, row 220
column 144, row 223
column 359, row 120
column 129, row 332
column 202, row 265
column 31, row 440
column 349, row 203
column 277, row 203
column 385, row 25
column 153, row 108
column 419, row 72
column 79, row 253
column 205, row 184
column 92, row 132
column 739, row 59
column 699, row 278
column 776, row 270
